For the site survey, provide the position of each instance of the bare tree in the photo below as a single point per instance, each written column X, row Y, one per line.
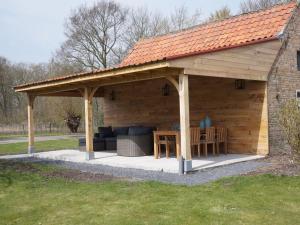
column 253, row 5
column 181, row 18
column 220, row 14
column 142, row 24
column 98, row 36
column 5, row 85
column 92, row 34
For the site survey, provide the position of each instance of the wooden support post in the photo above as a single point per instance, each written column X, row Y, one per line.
column 30, row 123
column 89, row 131
column 185, row 121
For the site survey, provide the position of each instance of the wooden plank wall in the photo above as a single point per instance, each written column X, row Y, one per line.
column 249, row 62
column 243, row 112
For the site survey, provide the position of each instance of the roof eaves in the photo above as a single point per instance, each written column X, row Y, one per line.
column 21, row 88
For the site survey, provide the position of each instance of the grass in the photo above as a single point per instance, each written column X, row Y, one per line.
column 19, row 148
column 7, row 136
column 31, row 198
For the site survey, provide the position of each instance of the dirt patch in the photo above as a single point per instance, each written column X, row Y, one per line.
column 19, row 167
column 66, row 174
column 279, row 165
column 74, row 175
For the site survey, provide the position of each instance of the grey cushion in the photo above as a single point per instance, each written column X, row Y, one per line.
column 140, row 130
column 111, row 139
column 120, row 131
column 105, row 132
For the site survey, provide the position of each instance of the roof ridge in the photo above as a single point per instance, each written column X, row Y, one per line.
column 218, row 21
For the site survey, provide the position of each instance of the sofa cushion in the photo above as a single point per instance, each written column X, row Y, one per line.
column 105, row 132
column 140, row 130
column 98, row 140
column 110, row 139
column 120, row 131
column 95, row 140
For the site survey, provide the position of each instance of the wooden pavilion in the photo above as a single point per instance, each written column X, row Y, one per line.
column 203, row 66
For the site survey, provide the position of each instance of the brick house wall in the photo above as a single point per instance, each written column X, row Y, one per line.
column 284, row 80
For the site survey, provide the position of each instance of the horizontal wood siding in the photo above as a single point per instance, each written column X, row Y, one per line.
column 243, row 112
column 251, row 62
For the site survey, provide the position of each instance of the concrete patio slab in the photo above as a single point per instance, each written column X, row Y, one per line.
column 145, row 163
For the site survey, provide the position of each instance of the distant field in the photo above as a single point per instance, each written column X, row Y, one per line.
column 19, row 148
column 6, row 136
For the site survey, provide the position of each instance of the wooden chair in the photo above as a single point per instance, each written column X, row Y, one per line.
column 195, row 139
column 221, row 138
column 164, row 140
column 209, row 138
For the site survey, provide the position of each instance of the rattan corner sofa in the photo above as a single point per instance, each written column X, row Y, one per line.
column 127, row 141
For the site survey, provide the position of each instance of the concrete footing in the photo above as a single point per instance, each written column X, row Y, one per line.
column 30, row 149
column 188, row 166
column 89, row 156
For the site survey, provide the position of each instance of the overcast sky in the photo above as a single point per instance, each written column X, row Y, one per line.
column 31, row 30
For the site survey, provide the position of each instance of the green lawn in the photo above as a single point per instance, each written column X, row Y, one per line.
column 19, row 148
column 6, row 136
column 32, row 198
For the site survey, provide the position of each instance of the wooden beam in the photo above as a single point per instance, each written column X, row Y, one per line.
column 185, row 121
column 224, row 74
column 30, row 124
column 173, row 81
column 89, row 131
column 108, row 81
column 92, row 77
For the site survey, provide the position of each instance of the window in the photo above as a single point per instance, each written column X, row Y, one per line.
column 298, row 60
column 298, row 96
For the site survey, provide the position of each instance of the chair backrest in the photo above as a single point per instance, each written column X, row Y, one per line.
column 210, row 134
column 221, row 134
column 195, row 135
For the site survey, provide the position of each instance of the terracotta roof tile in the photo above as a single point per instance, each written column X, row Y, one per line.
column 244, row 29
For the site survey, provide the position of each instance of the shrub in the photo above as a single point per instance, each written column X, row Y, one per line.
column 289, row 119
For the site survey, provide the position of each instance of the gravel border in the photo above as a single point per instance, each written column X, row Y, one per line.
column 194, row 178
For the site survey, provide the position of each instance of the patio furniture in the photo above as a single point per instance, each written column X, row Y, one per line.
column 165, row 133
column 98, row 144
column 195, row 139
column 138, row 142
column 111, row 142
column 208, row 138
column 103, row 140
column 221, row 138
column 164, row 141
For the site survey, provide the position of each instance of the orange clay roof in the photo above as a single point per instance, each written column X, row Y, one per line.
column 245, row 29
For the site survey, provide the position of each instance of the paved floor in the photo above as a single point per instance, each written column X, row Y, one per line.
column 38, row 138
column 147, row 163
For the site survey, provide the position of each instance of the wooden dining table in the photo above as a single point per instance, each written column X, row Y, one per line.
column 164, row 133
